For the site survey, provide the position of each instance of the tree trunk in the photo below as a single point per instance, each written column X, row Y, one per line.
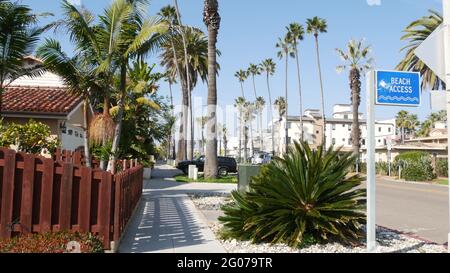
column 118, row 130
column 171, row 137
column 321, row 90
column 245, row 144
column 212, row 21
column 225, row 145
column 190, row 137
column 188, row 80
column 271, row 115
column 182, row 145
column 297, row 58
column 106, row 107
column 241, row 130
column 87, row 153
column 261, row 138
column 286, row 128
column 355, row 85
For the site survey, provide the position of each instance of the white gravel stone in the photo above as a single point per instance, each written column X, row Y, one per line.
column 388, row 240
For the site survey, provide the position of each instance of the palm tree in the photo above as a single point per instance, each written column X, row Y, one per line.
column 286, row 50
column 242, row 76
column 296, row 33
column 225, row 139
column 357, row 60
column 316, row 26
column 168, row 15
column 132, row 36
column 197, row 47
column 211, row 18
column 190, row 144
column 417, row 32
column 19, row 36
column 254, row 70
column 260, row 104
column 248, row 110
column 280, row 105
column 79, row 23
column 77, row 76
column 240, row 104
column 268, row 66
column 171, row 145
column 406, row 122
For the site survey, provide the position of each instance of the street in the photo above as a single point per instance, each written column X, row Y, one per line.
column 421, row 210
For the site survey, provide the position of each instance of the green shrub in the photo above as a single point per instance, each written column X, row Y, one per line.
column 442, row 167
column 416, row 166
column 51, row 242
column 32, row 137
column 308, row 195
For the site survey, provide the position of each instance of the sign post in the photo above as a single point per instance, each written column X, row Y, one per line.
column 388, row 88
column 446, row 7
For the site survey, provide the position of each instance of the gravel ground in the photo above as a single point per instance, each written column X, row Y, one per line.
column 388, row 240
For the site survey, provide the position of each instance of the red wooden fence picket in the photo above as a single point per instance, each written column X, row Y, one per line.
column 39, row 195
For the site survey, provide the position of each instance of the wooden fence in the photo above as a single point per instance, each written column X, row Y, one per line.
column 39, row 195
column 78, row 158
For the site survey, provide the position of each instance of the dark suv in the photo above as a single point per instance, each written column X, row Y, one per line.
column 225, row 164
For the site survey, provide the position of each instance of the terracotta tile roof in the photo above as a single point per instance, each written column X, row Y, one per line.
column 39, row 100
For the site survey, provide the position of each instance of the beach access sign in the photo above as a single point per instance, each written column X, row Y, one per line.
column 398, row 88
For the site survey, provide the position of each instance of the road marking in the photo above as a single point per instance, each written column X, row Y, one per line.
column 412, row 189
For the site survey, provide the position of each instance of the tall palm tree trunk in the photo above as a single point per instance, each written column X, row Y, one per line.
column 118, row 130
column 355, row 84
column 171, row 136
column 180, row 78
column 321, row 90
column 286, row 128
column 182, row 144
column 241, row 130
column 258, row 127
column 297, row 59
column 87, row 153
column 106, row 108
column 271, row 115
column 211, row 19
column 190, row 139
column 245, row 144
column 188, row 81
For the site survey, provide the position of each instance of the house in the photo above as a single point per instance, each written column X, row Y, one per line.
column 46, row 99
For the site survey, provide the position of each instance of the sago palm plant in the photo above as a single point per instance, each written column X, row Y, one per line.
column 308, row 194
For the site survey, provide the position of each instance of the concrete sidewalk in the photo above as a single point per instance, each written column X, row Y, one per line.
column 167, row 220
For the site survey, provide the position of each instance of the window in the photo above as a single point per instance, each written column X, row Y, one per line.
column 289, row 125
column 363, row 141
column 333, row 127
column 349, row 128
column 385, row 142
column 389, row 129
column 379, row 129
column 379, row 141
column 343, row 125
column 343, row 140
column 334, row 141
column 70, row 132
column 76, row 133
column 349, row 141
column 345, row 116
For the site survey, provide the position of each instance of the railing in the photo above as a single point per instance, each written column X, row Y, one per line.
column 40, row 195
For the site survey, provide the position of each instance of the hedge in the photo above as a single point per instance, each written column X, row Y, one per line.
column 51, row 242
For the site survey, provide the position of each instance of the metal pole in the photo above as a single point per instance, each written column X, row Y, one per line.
column 446, row 9
column 371, row 182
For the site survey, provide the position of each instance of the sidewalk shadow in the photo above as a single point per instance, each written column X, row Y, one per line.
column 160, row 225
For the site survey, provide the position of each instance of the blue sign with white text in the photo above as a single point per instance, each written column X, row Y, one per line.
column 398, row 88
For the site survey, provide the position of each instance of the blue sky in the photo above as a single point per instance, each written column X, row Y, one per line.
column 251, row 28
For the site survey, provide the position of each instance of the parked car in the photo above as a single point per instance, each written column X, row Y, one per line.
column 261, row 158
column 225, row 165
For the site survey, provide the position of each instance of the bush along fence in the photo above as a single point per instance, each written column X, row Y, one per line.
column 39, row 195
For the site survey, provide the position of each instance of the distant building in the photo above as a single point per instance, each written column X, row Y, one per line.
column 46, row 99
column 338, row 129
